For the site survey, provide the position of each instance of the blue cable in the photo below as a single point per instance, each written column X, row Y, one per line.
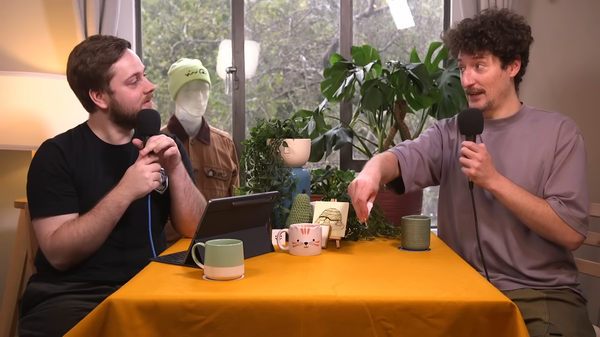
column 150, row 227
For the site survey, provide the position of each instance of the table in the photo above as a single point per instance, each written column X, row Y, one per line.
column 365, row 288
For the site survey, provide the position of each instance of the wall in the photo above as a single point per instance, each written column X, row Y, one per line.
column 563, row 76
column 35, row 36
column 13, row 176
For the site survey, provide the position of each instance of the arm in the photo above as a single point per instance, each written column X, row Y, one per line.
column 533, row 211
column 68, row 239
column 187, row 203
column 379, row 170
column 235, row 181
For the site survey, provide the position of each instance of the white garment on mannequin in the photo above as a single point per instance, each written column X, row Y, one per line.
column 190, row 105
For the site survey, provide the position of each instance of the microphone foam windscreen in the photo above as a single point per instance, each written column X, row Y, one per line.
column 148, row 122
column 470, row 121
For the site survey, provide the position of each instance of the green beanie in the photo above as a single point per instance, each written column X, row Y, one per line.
column 184, row 71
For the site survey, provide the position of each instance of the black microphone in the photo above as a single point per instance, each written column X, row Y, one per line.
column 470, row 124
column 147, row 124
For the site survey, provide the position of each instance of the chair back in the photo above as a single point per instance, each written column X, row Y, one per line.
column 593, row 239
column 21, row 268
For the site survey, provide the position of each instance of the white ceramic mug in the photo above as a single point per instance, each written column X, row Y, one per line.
column 305, row 239
column 223, row 259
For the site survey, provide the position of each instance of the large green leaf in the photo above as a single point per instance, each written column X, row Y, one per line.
column 332, row 140
column 375, row 94
column 453, row 97
column 420, row 77
column 364, row 55
column 433, row 65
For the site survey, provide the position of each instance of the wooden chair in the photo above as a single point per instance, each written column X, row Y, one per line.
column 21, row 268
column 593, row 239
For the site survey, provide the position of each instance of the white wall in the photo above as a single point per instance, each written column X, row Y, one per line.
column 564, row 76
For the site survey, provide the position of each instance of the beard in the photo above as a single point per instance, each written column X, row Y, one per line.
column 488, row 104
column 121, row 115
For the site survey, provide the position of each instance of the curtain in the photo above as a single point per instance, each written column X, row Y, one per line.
column 468, row 8
column 97, row 16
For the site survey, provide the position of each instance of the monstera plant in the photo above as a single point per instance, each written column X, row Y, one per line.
column 383, row 95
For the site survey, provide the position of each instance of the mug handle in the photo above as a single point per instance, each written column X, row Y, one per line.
column 279, row 239
column 194, row 253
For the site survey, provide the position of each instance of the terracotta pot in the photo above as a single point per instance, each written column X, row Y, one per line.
column 316, row 197
column 396, row 206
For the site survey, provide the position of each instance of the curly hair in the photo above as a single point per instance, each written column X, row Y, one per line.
column 89, row 66
column 501, row 32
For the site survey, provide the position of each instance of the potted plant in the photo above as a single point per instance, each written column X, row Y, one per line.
column 384, row 96
column 263, row 167
column 332, row 183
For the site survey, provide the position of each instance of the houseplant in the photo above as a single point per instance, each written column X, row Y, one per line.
column 384, row 96
column 332, row 183
column 262, row 166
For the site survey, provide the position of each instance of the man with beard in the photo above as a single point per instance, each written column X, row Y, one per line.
column 529, row 172
column 92, row 192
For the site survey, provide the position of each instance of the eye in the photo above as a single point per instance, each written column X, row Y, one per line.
column 461, row 69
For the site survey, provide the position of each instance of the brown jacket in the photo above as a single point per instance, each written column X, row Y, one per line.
column 214, row 161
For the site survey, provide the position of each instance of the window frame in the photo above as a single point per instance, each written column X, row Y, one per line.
column 239, row 92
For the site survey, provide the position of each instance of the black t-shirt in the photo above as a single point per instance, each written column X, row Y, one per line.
column 71, row 173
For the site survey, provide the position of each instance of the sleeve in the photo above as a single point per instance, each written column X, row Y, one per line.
column 235, row 180
column 185, row 158
column 420, row 160
column 51, row 190
column 566, row 189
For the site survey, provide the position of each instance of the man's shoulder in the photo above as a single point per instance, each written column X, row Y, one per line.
column 66, row 139
column 220, row 133
column 551, row 118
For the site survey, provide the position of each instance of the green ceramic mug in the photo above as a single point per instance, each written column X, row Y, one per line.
column 415, row 232
column 223, row 259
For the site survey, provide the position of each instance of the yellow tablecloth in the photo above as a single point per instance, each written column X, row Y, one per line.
column 362, row 289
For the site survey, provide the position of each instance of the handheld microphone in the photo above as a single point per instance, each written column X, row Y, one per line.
column 470, row 124
column 147, row 124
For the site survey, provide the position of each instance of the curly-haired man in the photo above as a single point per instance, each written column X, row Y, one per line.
column 530, row 176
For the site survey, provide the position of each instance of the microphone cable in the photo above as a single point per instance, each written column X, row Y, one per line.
column 477, row 227
column 150, row 227
column 477, row 234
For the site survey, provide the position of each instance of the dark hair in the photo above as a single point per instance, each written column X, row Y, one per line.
column 89, row 66
column 501, row 32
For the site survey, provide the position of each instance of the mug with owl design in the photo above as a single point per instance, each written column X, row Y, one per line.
column 305, row 239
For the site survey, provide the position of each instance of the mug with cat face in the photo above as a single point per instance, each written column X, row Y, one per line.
column 305, row 239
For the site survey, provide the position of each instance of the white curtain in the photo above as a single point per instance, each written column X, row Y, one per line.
column 468, row 8
column 97, row 16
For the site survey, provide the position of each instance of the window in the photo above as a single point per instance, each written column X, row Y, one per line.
column 295, row 39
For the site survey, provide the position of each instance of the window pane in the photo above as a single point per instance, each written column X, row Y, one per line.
column 417, row 27
column 296, row 38
column 186, row 28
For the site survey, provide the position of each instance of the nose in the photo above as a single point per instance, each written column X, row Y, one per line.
column 466, row 79
column 149, row 86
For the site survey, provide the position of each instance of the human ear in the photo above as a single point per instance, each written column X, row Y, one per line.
column 514, row 67
column 99, row 98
